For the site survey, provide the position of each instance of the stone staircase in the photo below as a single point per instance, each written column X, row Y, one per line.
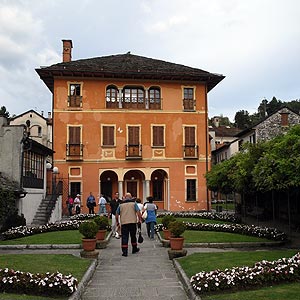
column 44, row 211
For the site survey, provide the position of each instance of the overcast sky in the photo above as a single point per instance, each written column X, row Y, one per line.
column 254, row 43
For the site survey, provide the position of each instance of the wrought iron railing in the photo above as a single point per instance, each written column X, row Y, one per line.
column 190, row 152
column 133, row 151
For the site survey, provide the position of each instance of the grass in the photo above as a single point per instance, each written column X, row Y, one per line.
column 289, row 291
column 228, row 206
column 195, row 236
column 197, row 262
column 54, row 237
column 63, row 263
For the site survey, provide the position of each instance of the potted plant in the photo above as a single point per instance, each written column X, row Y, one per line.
column 166, row 221
column 102, row 223
column 176, row 228
column 88, row 229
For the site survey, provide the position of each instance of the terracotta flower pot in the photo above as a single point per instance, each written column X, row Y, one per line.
column 176, row 243
column 100, row 236
column 89, row 244
column 166, row 234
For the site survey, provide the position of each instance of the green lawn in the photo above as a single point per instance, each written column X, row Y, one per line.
column 197, row 262
column 63, row 263
column 228, row 206
column 195, row 236
column 289, row 291
column 53, row 237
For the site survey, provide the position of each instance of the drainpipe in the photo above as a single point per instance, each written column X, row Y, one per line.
column 206, row 146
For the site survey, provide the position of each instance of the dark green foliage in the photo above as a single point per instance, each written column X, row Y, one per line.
column 13, row 220
column 166, row 220
column 102, row 222
column 7, row 208
column 177, row 228
column 88, row 229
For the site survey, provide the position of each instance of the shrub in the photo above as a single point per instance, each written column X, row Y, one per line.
column 166, row 220
column 88, row 229
column 177, row 228
column 102, row 222
column 13, row 220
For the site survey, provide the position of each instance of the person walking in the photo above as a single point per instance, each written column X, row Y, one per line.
column 102, row 205
column 70, row 203
column 114, row 203
column 151, row 216
column 140, row 205
column 91, row 203
column 128, row 212
column 77, row 204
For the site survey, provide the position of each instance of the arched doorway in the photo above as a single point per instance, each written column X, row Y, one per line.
column 158, row 187
column 108, row 184
column 134, row 183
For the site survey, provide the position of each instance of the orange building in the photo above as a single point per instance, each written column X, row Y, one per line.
column 130, row 123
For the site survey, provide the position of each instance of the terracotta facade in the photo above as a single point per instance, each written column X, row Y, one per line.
column 133, row 134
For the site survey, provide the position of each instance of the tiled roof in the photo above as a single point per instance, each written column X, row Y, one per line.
column 225, row 131
column 127, row 66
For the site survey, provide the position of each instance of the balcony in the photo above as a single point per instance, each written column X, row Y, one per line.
column 74, row 101
column 133, row 152
column 189, row 104
column 74, row 151
column 134, row 103
column 190, row 152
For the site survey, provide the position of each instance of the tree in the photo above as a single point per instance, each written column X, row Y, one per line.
column 4, row 112
column 242, row 119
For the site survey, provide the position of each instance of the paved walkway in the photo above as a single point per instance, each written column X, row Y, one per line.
column 148, row 274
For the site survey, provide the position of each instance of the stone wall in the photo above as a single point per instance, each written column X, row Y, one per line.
column 272, row 127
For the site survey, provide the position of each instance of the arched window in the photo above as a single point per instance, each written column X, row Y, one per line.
column 154, row 98
column 112, row 100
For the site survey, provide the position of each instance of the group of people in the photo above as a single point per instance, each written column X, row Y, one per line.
column 126, row 215
column 75, row 205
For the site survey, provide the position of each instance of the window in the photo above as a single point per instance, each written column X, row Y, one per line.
column 154, row 98
column 33, row 170
column 188, row 99
column 108, row 136
column 74, row 95
column 284, row 119
column 133, row 97
column 158, row 136
column 74, row 145
column 112, row 100
column 134, row 149
column 190, row 148
column 39, row 131
column 191, row 190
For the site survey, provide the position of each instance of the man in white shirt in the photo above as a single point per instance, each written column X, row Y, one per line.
column 102, row 205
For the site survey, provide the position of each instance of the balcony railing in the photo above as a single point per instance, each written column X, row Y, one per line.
column 190, row 152
column 74, row 101
column 133, row 103
column 133, row 152
column 189, row 104
column 74, row 151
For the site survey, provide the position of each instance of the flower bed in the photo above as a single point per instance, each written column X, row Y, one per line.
column 55, row 284
column 203, row 215
column 261, row 274
column 22, row 231
column 262, row 232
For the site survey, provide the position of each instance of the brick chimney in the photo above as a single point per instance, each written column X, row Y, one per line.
column 67, row 50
